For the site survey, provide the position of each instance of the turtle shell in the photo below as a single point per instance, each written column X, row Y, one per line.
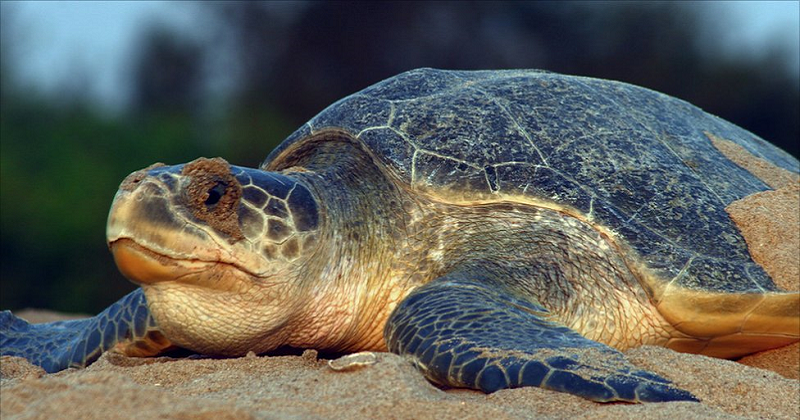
column 637, row 162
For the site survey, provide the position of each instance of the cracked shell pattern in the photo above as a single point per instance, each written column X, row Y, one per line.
column 630, row 159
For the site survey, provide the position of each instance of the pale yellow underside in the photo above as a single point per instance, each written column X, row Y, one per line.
column 730, row 325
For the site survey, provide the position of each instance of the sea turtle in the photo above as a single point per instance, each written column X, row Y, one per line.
column 500, row 228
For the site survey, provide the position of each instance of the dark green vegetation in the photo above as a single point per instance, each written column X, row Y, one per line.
column 59, row 170
column 61, row 161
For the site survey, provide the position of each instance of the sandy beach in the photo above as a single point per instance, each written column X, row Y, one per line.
column 305, row 387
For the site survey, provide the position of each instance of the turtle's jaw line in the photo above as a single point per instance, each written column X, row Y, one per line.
column 144, row 266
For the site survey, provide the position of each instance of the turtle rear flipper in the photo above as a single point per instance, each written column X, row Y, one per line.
column 464, row 333
column 75, row 343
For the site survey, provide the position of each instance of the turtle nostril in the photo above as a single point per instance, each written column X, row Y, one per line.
column 215, row 193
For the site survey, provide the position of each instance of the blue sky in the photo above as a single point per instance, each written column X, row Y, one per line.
column 57, row 40
column 748, row 27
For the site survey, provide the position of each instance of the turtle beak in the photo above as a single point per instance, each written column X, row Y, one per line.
column 142, row 266
column 184, row 223
column 142, row 230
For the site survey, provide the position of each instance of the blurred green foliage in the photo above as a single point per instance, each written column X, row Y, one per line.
column 59, row 171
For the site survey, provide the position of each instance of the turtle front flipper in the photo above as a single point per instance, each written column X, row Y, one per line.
column 55, row 346
column 467, row 333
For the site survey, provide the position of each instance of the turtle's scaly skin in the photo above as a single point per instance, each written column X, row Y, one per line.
column 59, row 345
column 444, row 325
column 503, row 228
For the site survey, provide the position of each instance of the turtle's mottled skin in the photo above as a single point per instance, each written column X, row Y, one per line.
column 503, row 228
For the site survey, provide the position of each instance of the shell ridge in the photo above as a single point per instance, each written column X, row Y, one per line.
column 496, row 100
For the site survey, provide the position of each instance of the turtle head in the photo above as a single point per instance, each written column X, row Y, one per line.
column 211, row 244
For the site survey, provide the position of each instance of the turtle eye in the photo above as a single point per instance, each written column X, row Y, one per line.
column 215, row 193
